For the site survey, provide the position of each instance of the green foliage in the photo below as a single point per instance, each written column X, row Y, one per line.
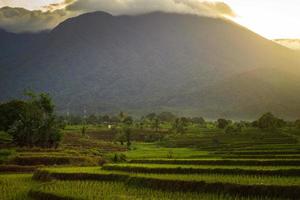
column 5, row 137
column 91, row 190
column 234, row 128
column 54, row 160
column 127, row 133
column 166, row 117
column 11, row 112
column 232, row 185
column 36, row 125
column 180, row 125
column 297, row 123
column 16, row 186
column 83, row 131
column 119, row 158
column 151, row 116
column 223, row 123
column 92, row 119
column 269, row 121
column 128, row 121
column 155, row 124
column 198, row 120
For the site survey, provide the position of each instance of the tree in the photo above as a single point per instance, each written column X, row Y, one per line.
column 198, row 120
column 128, row 120
column 121, row 116
column 269, row 121
column 10, row 112
column 37, row 125
column 141, row 123
column 75, row 120
column 151, row 116
column 180, row 125
column 115, row 119
column 166, row 117
column 223, row 123
column 297, row 123
column 106, row 119
column 155, row 124
column 92, row 119
column 83, row 131
column 233, row 128
column 127, row 132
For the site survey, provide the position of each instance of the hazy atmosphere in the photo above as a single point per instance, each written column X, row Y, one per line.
column 149, row 100
column 272, row 19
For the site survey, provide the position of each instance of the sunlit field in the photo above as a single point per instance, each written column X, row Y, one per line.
column 238, row 167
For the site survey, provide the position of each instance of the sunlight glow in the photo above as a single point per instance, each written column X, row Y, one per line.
column 270, row 18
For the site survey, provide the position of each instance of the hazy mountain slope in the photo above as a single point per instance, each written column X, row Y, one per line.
column 290, row 43
column 156, row 61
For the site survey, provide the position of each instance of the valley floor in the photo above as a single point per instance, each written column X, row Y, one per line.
column 194, row 166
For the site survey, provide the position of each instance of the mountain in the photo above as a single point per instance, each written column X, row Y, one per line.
column 154, row 62
column 290, row 43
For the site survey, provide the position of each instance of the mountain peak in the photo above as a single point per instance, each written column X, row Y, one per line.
column 189, row 64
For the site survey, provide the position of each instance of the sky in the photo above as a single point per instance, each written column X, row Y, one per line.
column 269, row 18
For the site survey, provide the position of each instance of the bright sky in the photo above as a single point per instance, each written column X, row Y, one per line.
column 29, row 4
column 270, row 18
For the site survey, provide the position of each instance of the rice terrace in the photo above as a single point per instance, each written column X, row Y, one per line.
column 149, row 100
column 200, row 160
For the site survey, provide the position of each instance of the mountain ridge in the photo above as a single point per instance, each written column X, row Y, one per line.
column 156, row 61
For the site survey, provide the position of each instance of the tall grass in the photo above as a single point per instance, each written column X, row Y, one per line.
column 15, row 187
column 91, row 190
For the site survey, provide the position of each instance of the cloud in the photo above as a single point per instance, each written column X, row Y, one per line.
column 208, row 8
column 22, row 20
column 119, row 7
column 58, row 6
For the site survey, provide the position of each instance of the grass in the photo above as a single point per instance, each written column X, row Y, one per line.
column 211, row 178
column 234, row 185
column 203, row 163
column 16, row 187
column 90, row 190
column 153, row 165
column 150, row 150
column 233, row 162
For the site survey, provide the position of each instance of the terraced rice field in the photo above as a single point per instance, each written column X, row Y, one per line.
column 268, row 170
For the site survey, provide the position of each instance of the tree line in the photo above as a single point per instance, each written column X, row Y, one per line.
column 32, row 122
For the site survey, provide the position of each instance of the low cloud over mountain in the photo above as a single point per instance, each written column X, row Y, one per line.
column 184, row 63
column 22, row 20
